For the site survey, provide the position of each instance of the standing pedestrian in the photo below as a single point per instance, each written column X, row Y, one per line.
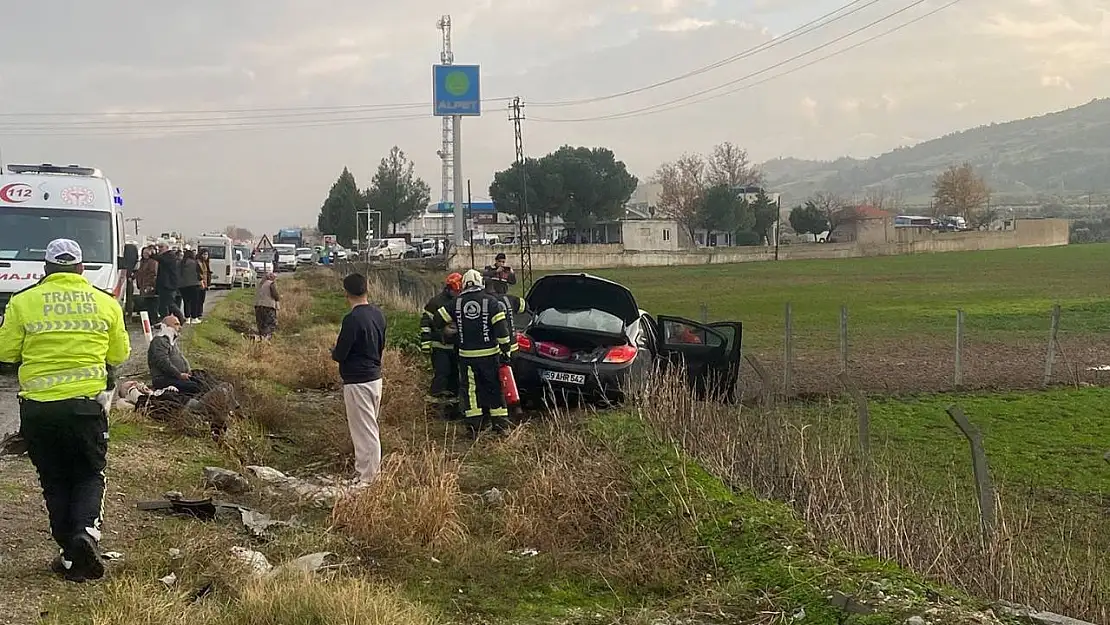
column 166, row 284
column 484, row 345
column 146, row 281
column 65, row 390
column 358, row 350
column 189, row 287
column 204, row 263
column 267, row 302
column 500, row 273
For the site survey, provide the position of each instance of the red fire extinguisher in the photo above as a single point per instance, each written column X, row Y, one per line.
column 508, row 385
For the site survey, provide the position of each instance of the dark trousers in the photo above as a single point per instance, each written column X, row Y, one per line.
column 445, row 373
column 67, row 442
column 201, row 296
column 480, row 398
column 198, row 384
column 191, row 299
column 167, row 305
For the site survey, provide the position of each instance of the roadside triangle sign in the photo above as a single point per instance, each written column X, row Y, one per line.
column 264, row 244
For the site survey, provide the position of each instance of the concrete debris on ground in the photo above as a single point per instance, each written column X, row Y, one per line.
column 260, row 565
column 259, row 522
column 321, row 495
column 169, row 580
column 915, row 620
column 493, row 497
column 226, row 480
column 1035, row 616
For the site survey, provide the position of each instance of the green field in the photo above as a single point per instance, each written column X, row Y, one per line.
column 1004, row 293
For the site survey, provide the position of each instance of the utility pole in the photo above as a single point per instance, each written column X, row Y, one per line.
column 524, row 232
column 447, row 149
column 135, row 220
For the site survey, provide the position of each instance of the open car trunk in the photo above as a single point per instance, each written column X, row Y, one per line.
column 572, row 345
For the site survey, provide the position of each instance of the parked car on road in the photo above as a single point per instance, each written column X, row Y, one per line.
column 587, row 336
column 304, row 255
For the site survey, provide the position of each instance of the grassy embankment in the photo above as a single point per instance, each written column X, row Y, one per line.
column 595, row 517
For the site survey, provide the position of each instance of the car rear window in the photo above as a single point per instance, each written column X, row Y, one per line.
column 591, row 319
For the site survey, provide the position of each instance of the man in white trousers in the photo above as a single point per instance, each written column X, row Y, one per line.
column 358, row 350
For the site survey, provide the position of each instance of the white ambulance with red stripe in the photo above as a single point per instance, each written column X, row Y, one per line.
column 40, row 203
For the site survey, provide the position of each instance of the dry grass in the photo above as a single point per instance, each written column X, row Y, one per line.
column 883, row 508
column 573, row 497
column 415, row 504
column 286, row 599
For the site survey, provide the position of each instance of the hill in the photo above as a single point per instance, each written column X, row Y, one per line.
column 1063, row 152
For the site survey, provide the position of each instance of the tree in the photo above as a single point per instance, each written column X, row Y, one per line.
column 396, row 191
column 766, row 213
column 581, row 185
column 239, row 234
column 729, row 165
column 682, row 197
column 960, row 191
column 722, row 210
column 832, row 207
column 884, row 199
column 808, row 219
column 337, row 215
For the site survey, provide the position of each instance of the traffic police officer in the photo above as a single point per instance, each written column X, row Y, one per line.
column 67, row 336
column 483, row 341
column 437, row 344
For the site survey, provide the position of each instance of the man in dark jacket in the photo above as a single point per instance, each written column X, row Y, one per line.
column 501, row 275
column 169, row 270
column 168, row 366
column 440, row 347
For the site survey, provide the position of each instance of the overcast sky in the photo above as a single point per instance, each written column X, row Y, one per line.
column 218, row 112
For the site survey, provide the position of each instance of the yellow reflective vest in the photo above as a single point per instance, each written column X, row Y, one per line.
column 63, row 331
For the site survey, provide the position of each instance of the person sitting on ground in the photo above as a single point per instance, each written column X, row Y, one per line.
column 267, row 301
column 168, row 366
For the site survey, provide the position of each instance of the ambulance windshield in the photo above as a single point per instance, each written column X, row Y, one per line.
column 24, row 232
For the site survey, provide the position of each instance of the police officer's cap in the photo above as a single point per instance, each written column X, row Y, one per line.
column 64, row 252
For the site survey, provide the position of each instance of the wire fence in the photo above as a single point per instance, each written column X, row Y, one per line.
column 813, row 360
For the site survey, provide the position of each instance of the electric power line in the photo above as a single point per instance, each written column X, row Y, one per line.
column 804, row 29
column 194, row 129
column 689, row 99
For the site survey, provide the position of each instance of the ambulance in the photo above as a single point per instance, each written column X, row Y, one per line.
column 39, row 203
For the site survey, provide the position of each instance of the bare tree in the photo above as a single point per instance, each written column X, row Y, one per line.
column 683, row 190
column 729, row 165
column 960, row 191
column 884, row 199
column 833, row 207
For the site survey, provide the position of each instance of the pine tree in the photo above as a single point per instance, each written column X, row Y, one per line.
column 338, row 214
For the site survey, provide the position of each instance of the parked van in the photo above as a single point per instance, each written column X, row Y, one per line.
column 386, row 249
column 221, row 258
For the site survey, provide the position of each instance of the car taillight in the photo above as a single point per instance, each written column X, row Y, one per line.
column 523, row 341
column 620, row 354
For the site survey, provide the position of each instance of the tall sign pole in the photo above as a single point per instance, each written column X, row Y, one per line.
column 456, row 93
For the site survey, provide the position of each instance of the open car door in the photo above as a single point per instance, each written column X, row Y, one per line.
column 710, row 354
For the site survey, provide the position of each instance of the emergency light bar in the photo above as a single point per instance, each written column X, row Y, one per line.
column 47, row 168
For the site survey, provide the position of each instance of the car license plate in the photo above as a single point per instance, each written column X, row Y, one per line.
column 562, row 376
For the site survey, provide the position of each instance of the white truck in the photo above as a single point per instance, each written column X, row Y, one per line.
column 39, row 203
column 221, row 258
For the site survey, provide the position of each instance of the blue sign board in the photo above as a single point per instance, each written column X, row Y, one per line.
column 476, row 207
column 456, row 90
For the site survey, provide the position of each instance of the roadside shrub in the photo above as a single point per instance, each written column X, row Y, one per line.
column 415, row 504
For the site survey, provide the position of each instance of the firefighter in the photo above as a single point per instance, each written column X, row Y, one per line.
column 439, row 345
column 483, row 342
column 67, row 337
column 513, row 306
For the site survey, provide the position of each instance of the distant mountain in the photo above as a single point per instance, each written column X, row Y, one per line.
column 1064, row 152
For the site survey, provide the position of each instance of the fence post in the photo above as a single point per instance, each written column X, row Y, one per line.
column 766, row 393
column 863, row 412
column 844, row 339
column 704, row 309
column 959, row 376
column 788, row 353
column 1050, row 358
column 983, row 485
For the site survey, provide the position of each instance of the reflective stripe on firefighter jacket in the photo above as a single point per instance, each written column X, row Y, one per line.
column 515, row 306
column 65, row 333
column 431, row 333
column 481, row 324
